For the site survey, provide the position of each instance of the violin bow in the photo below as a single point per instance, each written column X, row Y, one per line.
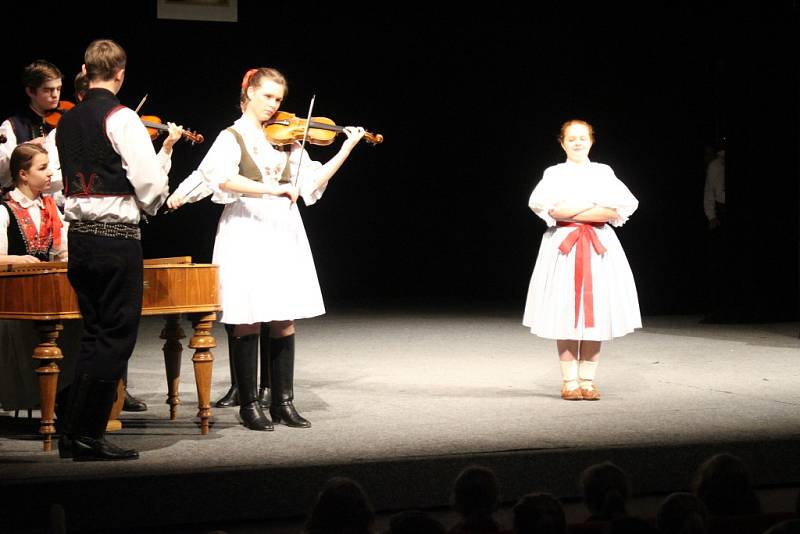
column 303, row 144
column 140, row 105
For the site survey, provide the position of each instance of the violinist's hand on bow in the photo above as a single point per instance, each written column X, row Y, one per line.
column 290, row 191
column 175, row 201
column 173, row 137
column 354, row 135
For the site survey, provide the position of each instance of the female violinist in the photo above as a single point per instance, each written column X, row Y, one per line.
column 267, row 272
column 31, row 230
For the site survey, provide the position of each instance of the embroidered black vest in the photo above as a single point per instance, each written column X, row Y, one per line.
column 23, row 239
column 89, row 164
column 28, row 125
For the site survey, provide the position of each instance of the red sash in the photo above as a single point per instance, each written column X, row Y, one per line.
column 585, row 238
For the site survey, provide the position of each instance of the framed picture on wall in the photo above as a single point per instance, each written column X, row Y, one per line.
column 215, row 10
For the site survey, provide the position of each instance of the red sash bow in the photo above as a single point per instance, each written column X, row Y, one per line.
column 585, row 237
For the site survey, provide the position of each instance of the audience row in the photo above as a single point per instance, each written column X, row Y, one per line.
column 722, row 500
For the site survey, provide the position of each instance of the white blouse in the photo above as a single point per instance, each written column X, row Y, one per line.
column 589, row 182
column 222, row 162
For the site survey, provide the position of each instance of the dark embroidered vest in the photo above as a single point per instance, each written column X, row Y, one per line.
column 23, row 239
column 89, row 164
column 28, row 125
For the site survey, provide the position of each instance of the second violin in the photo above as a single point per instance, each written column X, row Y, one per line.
column 155, row 126
column 285, row 128
column 53, row 116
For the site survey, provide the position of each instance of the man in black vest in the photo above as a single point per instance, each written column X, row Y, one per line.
column 110, row 172
column 42, row 81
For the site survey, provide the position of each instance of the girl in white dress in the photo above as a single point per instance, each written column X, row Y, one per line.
column 267, row 271
column 582, row 290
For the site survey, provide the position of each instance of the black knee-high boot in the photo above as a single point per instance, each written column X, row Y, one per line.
column 231, row 398
column 263, row 389
column 89, row 408
column 282, row 407
column 245, row 359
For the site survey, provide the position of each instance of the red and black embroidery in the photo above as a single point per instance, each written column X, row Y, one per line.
column 36, row 244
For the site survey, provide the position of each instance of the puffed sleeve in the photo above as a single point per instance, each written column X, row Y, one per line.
column 308, row 171
column 544, row 197
column 616, row 194
column 193, row 188
column 5, row 152
column 60, row 252
column 4, row 222
column 220, row 163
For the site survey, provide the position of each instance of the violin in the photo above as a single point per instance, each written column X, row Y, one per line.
column 285, row 128
column 54, row 115
column 155, row 126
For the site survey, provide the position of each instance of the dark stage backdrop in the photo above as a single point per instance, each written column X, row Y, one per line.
column 470, row 103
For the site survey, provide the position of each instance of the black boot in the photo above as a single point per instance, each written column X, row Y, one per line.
column 62, row 401
column 245, row 359
column 131, row 403
column 89, row 409
column 282, row 409
column 263, row 388
column 231, row 398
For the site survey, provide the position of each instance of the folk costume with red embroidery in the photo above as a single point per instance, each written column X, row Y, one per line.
column 26, row 236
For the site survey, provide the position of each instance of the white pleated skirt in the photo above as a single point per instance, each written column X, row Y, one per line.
column 266, row 269
column 550, row 306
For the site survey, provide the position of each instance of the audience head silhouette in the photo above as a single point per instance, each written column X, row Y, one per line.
column 605, row 491
column 476, row 494
column 539, row 513
column 723, row 484
column 342, row 507
column 682, row 513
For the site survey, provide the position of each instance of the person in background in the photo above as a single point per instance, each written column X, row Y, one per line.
column 42, row 82
column 717, row 266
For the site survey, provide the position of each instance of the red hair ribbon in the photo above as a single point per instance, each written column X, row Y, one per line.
column 247, row 76
column 586, row 239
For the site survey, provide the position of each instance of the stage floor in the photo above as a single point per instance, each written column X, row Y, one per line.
column 402, row 400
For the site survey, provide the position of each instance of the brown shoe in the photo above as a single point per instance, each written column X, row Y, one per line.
column 570, row 394
column 590, row 393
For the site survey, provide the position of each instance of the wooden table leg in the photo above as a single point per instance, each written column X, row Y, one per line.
column 171, row 334
column 48, row 353
column 114, row 423
column 202, row 341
